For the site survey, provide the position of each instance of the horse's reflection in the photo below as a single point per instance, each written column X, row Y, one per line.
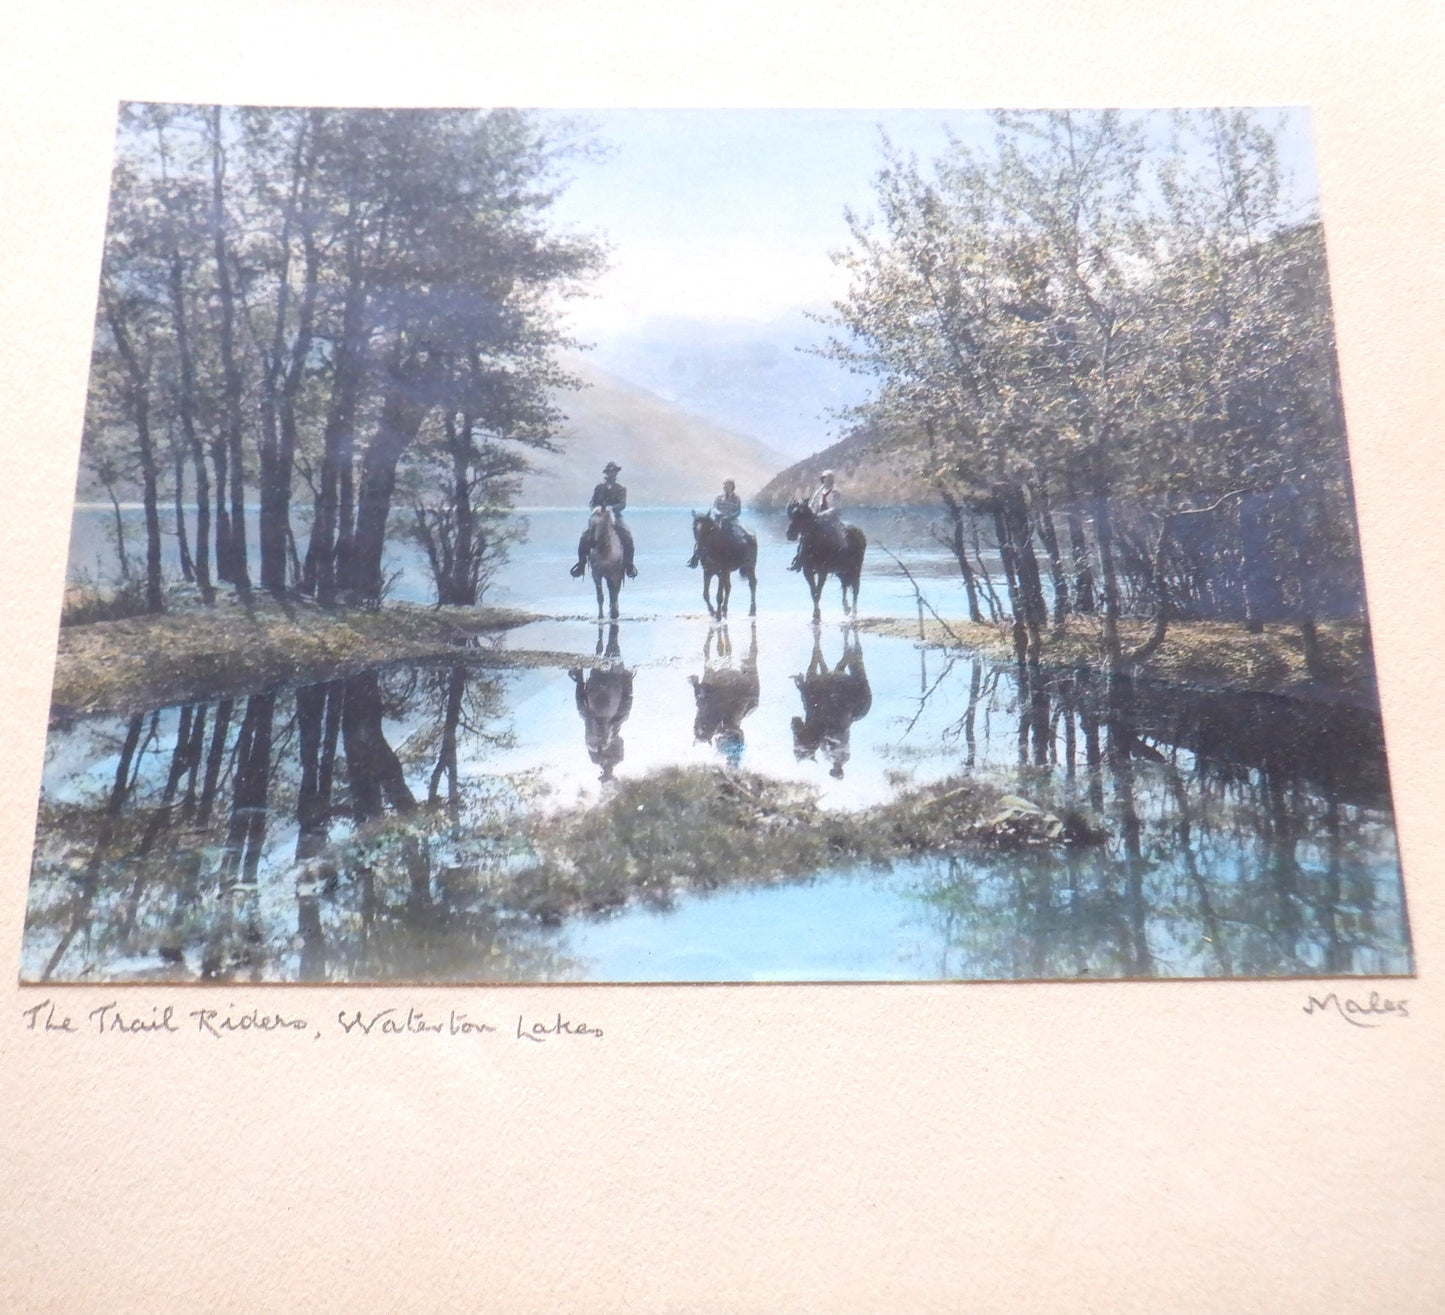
column 604, row 700
column 725, row 693
column 833, row 699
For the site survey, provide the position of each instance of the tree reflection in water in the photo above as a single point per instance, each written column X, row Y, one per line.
column 1248, row 835
column 359, row 829
column 277, row 837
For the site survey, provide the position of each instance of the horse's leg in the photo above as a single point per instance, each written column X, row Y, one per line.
column 707, row 591
column 614, row 583
column 815, row 587
column 597, row 581
column 724, row 592
column 750, row 574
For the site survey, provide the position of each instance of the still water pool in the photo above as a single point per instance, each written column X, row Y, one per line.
column 1246, row 836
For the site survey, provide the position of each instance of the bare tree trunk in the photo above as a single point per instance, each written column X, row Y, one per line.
column 960, row 553
column 119, row 531
column 1104, row 533
column 236, row 569
column 188, row 567
column 1083, row 567
column 464, row 580
column 282, row 379
column 331, row 525
column 1019, row 536
column 1021, row 636
column 1044, row 516
column 396, row 427
column 186, row 407
column 1262, row 601
column 140, row 401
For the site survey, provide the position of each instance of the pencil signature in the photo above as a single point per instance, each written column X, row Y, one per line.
column 1357, row 1014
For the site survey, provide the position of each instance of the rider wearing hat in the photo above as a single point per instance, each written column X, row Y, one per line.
column 609, row 493
column 824, row 503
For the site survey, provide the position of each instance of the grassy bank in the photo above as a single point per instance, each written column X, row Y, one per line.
column 233, row 647
column 703, row 828
column 1201, row 654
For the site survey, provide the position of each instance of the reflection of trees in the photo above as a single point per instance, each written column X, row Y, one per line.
column 1248, row 836
column 169, row 865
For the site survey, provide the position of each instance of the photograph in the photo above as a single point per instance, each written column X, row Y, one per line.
column 714, row 545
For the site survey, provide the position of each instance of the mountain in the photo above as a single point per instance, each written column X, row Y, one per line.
column 668, row 456
column 871, row 471
column 751, row 378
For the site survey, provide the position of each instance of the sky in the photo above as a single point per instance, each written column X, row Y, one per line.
column 725, row 216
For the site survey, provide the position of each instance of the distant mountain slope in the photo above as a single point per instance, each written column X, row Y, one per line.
column 867, row 476
column 752, row 378
column 668, row 457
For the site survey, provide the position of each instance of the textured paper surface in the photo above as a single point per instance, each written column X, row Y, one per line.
column 1124, row 1147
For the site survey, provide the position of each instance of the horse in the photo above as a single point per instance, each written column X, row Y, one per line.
column 604, row 702
column 833, row 699
column 604, row 556
column 721, row 554
column 828, row 548
column 725, row 694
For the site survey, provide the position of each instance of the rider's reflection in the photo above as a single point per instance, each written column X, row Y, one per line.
column 604, row 700
column 725, row 693
column 833, row 699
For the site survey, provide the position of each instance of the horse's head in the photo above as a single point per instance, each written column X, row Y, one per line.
column 701, row 524
column 601, row 517
column 800, row 516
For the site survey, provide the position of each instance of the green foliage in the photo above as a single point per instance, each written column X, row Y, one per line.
column 291, row 297
column 1101, row 320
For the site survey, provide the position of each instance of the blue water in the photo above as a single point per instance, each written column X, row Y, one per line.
column 1242, row 864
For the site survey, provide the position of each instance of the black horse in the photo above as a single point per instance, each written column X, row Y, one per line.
column 722, row 552
column 828, row 548
column 725, row 694
column 833, row 699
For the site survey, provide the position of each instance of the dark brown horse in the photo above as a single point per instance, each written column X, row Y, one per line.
column 725, row 694
column 721, row 553
column 828, row 547
column 833, row 699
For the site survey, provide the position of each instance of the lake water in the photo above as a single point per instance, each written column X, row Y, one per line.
column 1246, row 836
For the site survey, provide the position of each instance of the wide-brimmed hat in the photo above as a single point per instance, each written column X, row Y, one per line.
column 610, row 467
column 827, row 474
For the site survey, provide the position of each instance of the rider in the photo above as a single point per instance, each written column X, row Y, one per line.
column 609, row 493
column 824, row 504
column 726, row 508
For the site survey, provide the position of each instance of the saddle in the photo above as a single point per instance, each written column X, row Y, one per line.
column 731, row 531
column 832, row 533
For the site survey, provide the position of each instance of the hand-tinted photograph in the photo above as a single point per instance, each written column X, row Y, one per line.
column 678, row 546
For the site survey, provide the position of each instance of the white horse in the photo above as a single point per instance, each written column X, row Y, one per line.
column 604, row 557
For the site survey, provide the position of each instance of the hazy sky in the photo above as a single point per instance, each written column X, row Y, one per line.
column 724, row 215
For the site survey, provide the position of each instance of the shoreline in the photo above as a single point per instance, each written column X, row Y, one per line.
column 233, row 648
column 196, row 653
column 1216, row 656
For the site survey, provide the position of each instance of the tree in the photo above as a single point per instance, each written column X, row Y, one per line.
column 301, row 294
column 1090, row 323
